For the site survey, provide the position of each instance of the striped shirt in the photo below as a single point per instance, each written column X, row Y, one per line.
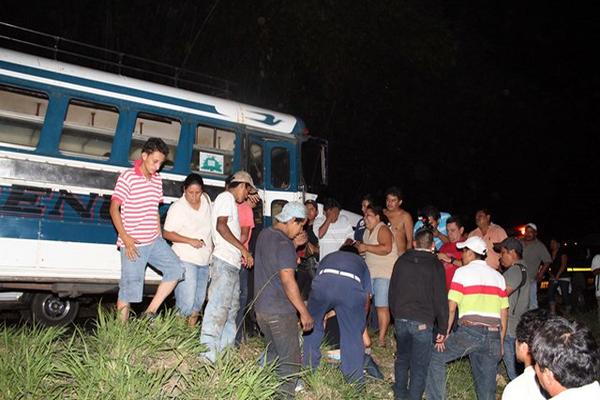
column 139, row 199
column 480, row 292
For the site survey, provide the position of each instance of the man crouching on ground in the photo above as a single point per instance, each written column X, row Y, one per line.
column 277, row 294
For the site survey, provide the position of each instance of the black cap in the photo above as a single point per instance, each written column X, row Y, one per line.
column 509, row 243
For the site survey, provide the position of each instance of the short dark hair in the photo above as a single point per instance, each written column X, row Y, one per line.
column 423, row 238
column 456, row 220
column 155, row 144
column 312, row 202
column 568, row 349
column 368, row 198
column 430, row 211
column 531, row 321
column 394, row 191
column 330, row 203
column 193, row 179
column 379, row 212
column 485, row 210
column 349, row 249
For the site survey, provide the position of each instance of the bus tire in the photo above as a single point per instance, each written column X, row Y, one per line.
column 50, row 310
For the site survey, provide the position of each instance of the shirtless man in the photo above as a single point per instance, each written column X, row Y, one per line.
column 401, row 222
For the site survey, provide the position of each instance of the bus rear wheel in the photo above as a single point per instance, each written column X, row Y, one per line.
column 50, row 310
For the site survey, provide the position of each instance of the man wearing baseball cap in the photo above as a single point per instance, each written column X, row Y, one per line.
column 517, row 288
column 537, row 259
column 218, row 325
column 278, row 299
column 479, row 293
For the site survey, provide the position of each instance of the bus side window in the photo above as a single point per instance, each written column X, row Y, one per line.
column 213, row 150
column 89, row 129
column 280, row 168
column 22, row 114
column 150, row 125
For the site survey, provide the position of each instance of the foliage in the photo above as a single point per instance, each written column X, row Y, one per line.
column 159, row 359
column 28, row 362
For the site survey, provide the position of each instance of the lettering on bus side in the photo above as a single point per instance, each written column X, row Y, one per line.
column 34, row 202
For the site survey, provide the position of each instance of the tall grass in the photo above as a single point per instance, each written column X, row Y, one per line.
column 160, row 360
column 28, row 367
column 142, row 359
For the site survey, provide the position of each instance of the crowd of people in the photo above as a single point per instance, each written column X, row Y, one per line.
column 445, row 293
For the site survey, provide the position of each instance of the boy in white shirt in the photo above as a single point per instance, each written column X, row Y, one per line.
column 525, row 386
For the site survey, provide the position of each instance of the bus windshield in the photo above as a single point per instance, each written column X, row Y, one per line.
column 314, row 164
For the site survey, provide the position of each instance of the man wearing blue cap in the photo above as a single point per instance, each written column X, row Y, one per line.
column 276, row 292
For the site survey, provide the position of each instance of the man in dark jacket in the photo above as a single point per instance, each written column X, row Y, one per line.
column 417, row 299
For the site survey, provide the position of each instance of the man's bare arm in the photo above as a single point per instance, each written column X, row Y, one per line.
column 128, row 241
column 504, row 325
column 408, row 230
column 244, row 233
column 225, row 232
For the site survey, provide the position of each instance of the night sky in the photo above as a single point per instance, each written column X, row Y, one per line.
column 461, row 104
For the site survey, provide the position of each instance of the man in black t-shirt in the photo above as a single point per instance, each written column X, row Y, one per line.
column 277, row 297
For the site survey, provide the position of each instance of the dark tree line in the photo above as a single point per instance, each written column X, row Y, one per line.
column 461, row 104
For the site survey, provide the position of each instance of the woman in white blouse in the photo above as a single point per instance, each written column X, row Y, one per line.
column 188, row 227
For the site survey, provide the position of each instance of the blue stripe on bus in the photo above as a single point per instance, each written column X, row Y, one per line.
column 44, row 229
column 112, row 88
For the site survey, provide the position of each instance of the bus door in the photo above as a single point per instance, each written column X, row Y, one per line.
column 273, row 166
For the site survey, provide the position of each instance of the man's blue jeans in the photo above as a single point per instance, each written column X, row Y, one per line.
column 414, row 346
column 218, row 325
column 533, row 302
column 483, row 348
column 283, row 346
column 510, row 359
column 243, row 309
column 191, row 292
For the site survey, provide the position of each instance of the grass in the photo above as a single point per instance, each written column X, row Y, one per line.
column 159, row 360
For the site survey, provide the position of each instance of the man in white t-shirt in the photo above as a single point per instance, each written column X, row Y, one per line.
column 525, row 386
column 218, row 324
column 332, row 229
column 567, row 360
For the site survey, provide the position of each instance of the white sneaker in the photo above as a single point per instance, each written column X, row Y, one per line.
column 299, row 386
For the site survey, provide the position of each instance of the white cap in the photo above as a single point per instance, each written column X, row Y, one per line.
column 474, row 243
column 532, row 226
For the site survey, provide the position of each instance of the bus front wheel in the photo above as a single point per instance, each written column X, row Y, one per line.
column 50, row 310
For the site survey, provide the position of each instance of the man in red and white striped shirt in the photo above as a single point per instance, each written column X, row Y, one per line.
column 134, row 212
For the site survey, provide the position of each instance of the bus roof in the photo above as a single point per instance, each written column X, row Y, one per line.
column 56, row 73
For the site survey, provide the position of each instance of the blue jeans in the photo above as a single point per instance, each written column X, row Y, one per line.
column 381, row 287
column 510, row 359
column 283, row 346
column 191, row 292
column 348, row 299
column 218, row 325
column 483, row 348
column 158, row 254
column 243, row 310
column 533, row 303
column 414, row 347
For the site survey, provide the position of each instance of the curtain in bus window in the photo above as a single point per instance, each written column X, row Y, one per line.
column 151, row 125
column 22, row 114
column 89, row 129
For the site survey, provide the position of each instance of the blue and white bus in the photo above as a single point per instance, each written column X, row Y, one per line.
column 67, row 131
